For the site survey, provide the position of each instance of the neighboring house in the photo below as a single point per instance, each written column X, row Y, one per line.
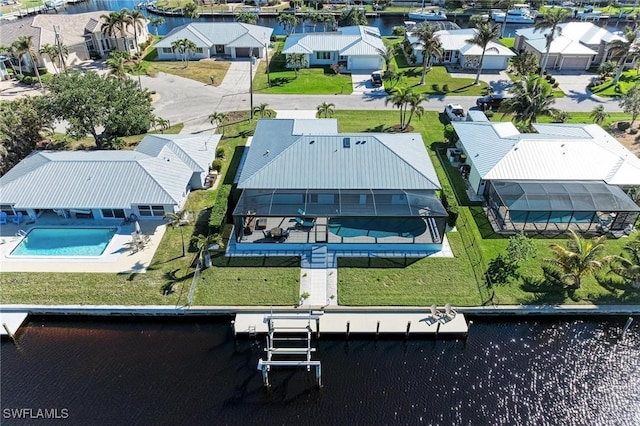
column 79, row 32
column 152, row 180
column 563, row 177
column 351, row 192
column 355, row 48
column 578, row 46
column 232, row 39
column 458, row 51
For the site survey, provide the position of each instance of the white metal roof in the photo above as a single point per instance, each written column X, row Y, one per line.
column 558, row 152
column 561, row 44
column 156, row 174
column 355, row 40
column 584, row 32
column 457, row 40
column 235, row 34
column 279, row 160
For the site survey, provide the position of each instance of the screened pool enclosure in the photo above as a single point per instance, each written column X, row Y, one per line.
column 557, row 206
column 339, row 216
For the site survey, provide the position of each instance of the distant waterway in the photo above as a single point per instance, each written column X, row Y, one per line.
column 384, row 22
column 192, row 371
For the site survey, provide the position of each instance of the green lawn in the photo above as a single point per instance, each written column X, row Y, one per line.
column 312, row 81
column 201, row 70
column 628, row 79
column 437, row 82
column 508, row 41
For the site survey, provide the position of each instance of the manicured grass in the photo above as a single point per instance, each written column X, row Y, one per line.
column 508, row 41
column 582, row 117
column 312, row 81
column 437, row 82
column 628, row 79
column 201, row 70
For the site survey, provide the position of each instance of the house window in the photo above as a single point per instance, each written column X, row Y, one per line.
column 149, row 211
column 132, row 44
column 447, row 56
column 199, row 50
column 6, row 208
column 167, row 50
column 113, row 213
column 323, row 55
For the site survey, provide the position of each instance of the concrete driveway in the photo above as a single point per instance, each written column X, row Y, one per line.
column 574, row 83
column 362, row 84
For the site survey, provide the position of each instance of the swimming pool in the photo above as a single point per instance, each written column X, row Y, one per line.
column 65, row 242
column 377, row 227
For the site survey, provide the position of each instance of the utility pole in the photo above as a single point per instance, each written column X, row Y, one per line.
column 251, row 59
column 56, row 30
column 266, row 52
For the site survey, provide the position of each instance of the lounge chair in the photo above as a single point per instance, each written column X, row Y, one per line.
column 17, row 219
column 449, row 312
column 435, row 313
column 304, row 222
column 3, row 218
column 301, row 212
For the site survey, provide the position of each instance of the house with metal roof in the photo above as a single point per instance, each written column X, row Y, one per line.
column 81, row 33
column 458, row 51
column 230, row 39
column 304, row 184
column 565, row 176
column 152, row 180
column 355, row 47
column 578, row 46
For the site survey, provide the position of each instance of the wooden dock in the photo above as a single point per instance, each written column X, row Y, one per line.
column 372, row 323
column 11, row 322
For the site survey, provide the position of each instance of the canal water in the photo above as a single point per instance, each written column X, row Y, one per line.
column 192, row 371
column 384, row 23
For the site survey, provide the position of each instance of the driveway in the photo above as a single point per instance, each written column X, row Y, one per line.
column 499, row 81
column 574, row 84
column 362, row 84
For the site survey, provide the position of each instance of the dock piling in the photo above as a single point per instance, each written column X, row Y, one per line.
column 317, row 328
column 624, row 329
column 408, row 329
column 378, row 329
column 348, row 328
column 9, row 333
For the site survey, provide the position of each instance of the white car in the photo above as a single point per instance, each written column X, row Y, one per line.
column 455, row 112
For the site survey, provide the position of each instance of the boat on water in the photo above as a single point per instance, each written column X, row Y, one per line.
column 54, row 3
column 428, row 14
column 520, row 14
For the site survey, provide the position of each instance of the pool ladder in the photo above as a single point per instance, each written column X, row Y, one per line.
column 21, row 233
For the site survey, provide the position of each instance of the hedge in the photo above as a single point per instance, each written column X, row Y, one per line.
column 219, row 210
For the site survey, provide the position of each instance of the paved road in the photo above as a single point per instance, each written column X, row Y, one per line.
column 183, row 100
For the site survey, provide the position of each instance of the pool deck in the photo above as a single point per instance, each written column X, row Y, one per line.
column 117, row 257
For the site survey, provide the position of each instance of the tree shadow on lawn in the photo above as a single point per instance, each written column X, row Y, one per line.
column 280, row 81
column 548, row 290
column 463, row 88
column 381, row 129
column 620, row 291
column 376, row 262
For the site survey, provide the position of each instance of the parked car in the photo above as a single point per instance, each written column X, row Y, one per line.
column 455, row 112
column 491, row 102
column 376, row 78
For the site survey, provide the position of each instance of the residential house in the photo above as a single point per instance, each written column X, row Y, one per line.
column 458, row 51
column 565, row 176
column 578, row 46
column 231, row 39
column 355, row 48
column 152, row 180
column 81, row 33
column 304, row 184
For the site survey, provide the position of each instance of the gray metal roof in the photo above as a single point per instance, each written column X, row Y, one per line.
column 107, row 179
column 235, row 34
column 278, row 159
column 355, row 40
column 584, row 32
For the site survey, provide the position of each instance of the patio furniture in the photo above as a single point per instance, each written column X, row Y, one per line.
column 17, row 219
column 301, row 212
column 261, row 223
column 449, row 312
column 275, row 232
column 305, row 223
column 435, row 312
column 3, row 218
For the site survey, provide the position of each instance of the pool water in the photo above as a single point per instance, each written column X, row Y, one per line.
column 65, row 242
column 377, row 227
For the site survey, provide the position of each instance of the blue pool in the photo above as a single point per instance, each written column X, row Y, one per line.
column 377, row 227
column 65, row 242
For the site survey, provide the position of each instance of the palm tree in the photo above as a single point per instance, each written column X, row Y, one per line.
column 580, row 257
column 485, row 34
column 174, row 222
column 137, row 20
column 288, row 22
column 387, row 57
column 263, row 111
column 160, row 124
column 138, row 69
column 325, row 109
column 156, row 21
column 52, row 52
column 118, row 65
column 184, row 47
column 296, row 61
column 402, row 98
column 202, row 244
column 430, row 45
column 552, row 18
column 506, row 4
column 116, row 23
column 623, row 50
column 532, row 97
column 24, row 46
column 627, row 266
column 599, row 115
column 218, row 118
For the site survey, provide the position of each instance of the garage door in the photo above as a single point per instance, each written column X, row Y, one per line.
column 365, row 62
column 242, row 52
column 576, row 63
column 494, row 63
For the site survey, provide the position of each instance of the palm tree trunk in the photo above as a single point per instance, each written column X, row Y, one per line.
column 424, row 68
column 182, row 237
column 504, row 23
column 619, row 72
column 480, row 66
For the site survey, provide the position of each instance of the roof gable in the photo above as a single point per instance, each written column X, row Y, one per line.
column 207, row 34
column 355, row 40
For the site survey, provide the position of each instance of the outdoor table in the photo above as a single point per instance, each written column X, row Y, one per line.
column 276, row 232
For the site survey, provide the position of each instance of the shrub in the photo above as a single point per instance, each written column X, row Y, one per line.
column 445, row 88
column 216, row 165
column 220, row 153
column 450, row 134
column 219, row 210
column 623, row 125
column 489, row 113
column 633, row 131
column 27, row 79
column 555, row 85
